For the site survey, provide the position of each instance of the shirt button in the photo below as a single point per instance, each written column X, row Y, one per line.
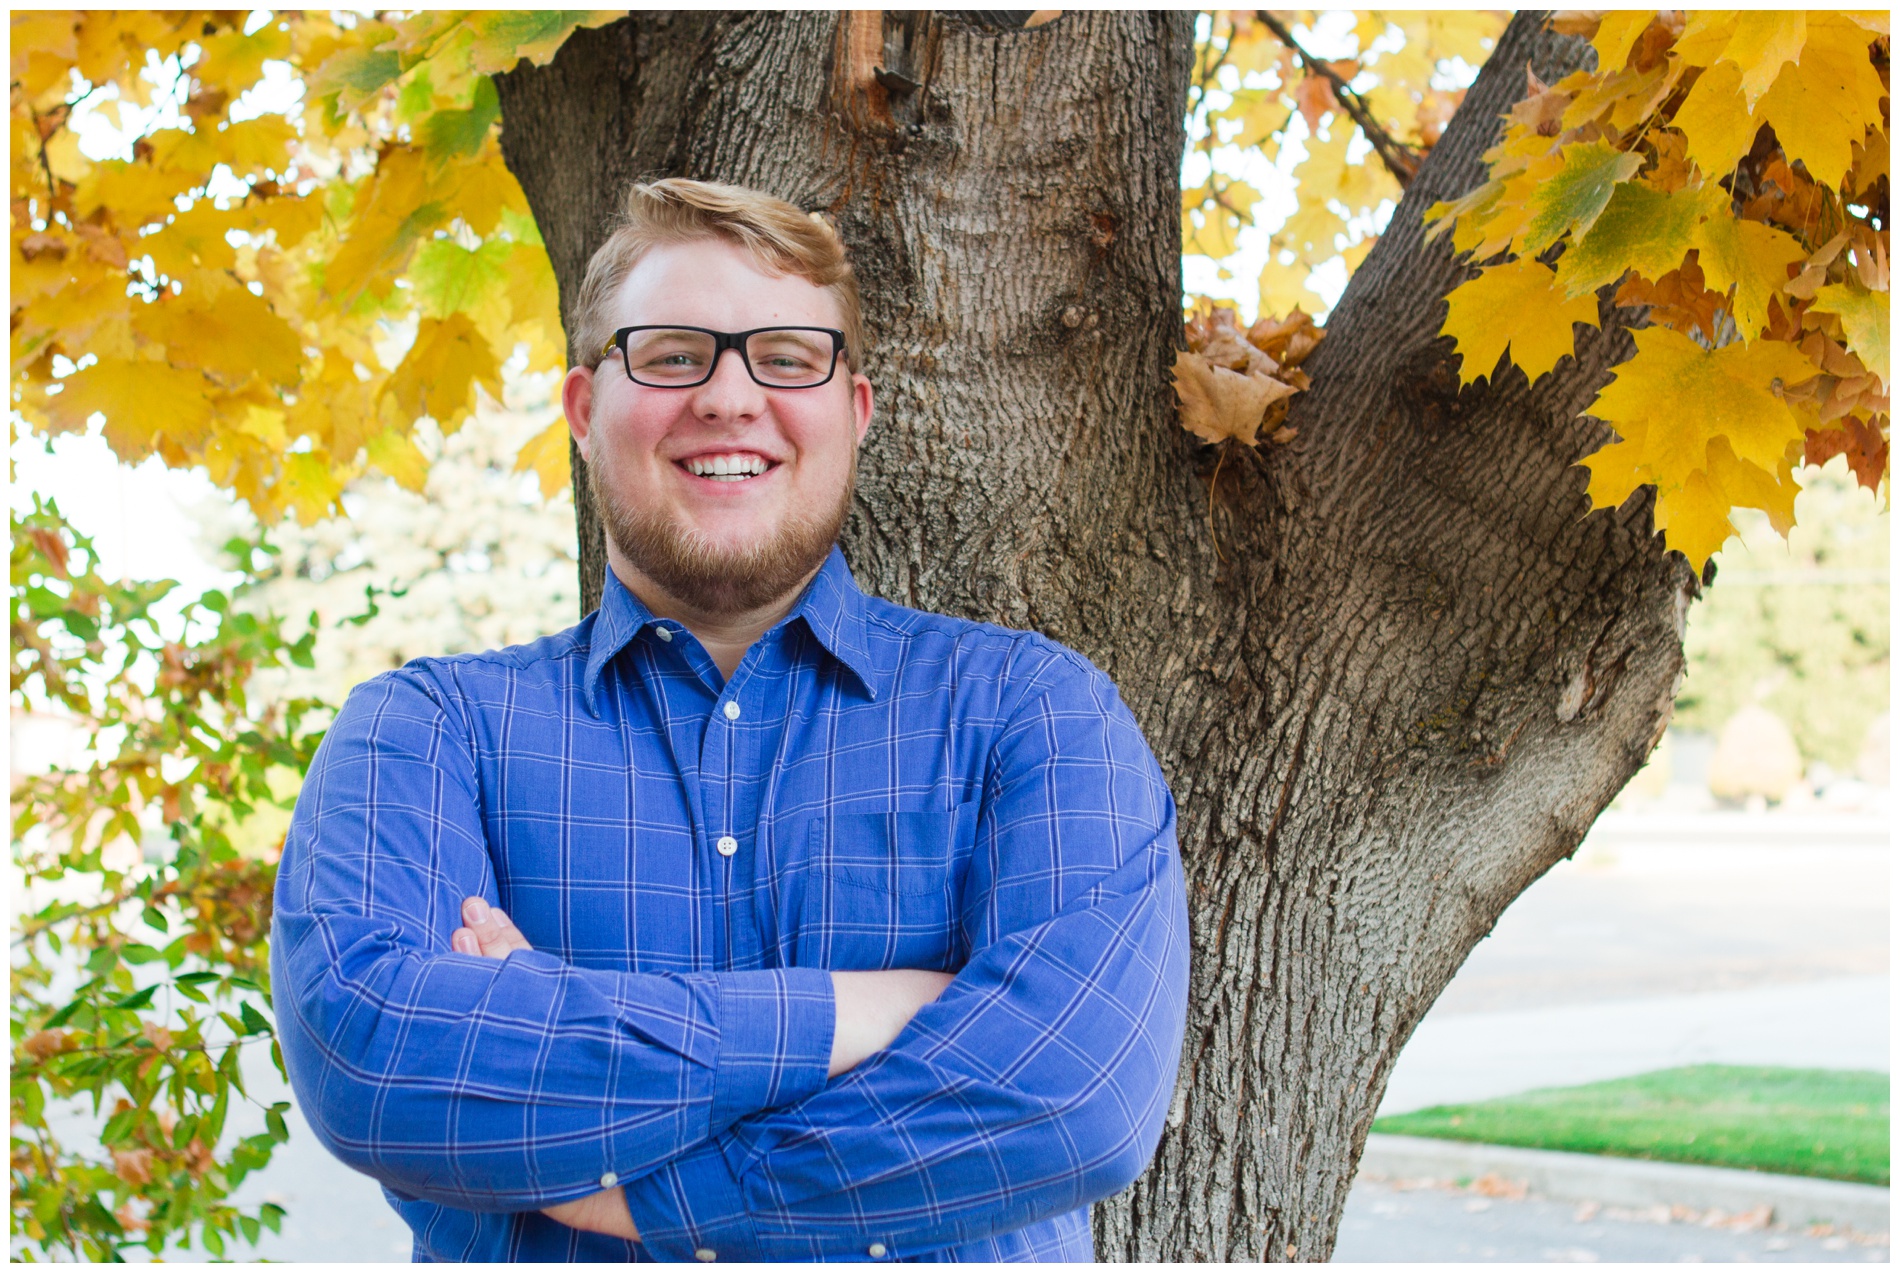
column 727, row 846
column 609, row 1180
column 665, row 634
column 875, row 1251
column 732, row 710
column 705, row 1255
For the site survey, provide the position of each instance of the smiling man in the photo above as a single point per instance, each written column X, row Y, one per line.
column 752, row 917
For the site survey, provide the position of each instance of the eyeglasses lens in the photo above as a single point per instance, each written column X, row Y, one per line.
column 786, row 358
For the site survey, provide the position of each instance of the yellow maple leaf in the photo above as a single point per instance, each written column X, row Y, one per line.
column 1616, row 471
column 1746, row 485
column 223, row 329
column 1750, row 257
column 1823, row 104
column 1677, row 396
column 401, row 459
column 1694, row 518
column 438, row 376
column 1705, row 34
column 1616, row 36
column 1864, row 317
column 232, row 61
column 143, row 402
column 1516, row 306
column 193, row 240
column 546, row 455
column 1764, row 41
column 1715, row 121
column 395, row 206
column 1283, row 287
column 309, row 487
column 484, row 189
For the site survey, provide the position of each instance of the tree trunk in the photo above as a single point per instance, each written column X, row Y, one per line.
column 1397, row 687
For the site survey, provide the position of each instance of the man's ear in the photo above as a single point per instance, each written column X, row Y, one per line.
column 861, row 405
column 577, row 404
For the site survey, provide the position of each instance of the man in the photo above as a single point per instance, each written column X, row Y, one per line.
column 751, row 918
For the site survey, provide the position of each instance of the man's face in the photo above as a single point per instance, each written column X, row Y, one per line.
column 723, row 544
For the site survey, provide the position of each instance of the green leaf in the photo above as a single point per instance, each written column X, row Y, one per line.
column 450, row 279
column 1641, row 229
column 450, row 134
column 136, row 1000
column 1572, row 199
column 274, row 1119
column 254, row 1021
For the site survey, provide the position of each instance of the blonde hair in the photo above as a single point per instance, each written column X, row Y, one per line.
column 781, row 238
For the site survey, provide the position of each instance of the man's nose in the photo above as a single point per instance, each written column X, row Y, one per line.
column 731, row 393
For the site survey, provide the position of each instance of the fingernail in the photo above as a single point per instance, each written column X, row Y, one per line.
column 463, row 941
column 477, row 911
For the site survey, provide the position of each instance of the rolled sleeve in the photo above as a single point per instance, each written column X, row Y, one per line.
column 775, row 1040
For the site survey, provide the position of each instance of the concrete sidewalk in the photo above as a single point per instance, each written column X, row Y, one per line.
column 1840, row 1024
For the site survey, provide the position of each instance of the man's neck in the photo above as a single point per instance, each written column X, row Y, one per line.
column 725, row 636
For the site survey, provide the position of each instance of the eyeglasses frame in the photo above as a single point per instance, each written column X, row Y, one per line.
column 722, row 341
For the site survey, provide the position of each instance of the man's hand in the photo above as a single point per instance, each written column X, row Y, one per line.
column 871, row 1008
column 489, row 931
column 604, row 1212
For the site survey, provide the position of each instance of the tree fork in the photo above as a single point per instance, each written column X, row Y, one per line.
column 1420, row 672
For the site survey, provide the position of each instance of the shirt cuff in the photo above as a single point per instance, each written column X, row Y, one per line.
column 692, row 1209
column 775, row 1028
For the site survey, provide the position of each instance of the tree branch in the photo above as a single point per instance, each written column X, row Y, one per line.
column 1400, row 160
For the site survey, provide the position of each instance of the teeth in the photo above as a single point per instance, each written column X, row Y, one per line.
column 730, row 468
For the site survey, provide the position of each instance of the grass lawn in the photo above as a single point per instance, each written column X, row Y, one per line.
column 1804, row 1122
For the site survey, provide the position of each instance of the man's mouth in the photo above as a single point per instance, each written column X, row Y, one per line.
column 738, row 466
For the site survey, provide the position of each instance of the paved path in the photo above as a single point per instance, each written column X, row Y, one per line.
column 1401, row 1221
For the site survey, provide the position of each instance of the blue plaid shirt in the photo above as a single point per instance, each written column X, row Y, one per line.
column 873, row 787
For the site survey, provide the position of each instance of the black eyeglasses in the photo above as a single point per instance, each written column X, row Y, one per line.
column 682, row 357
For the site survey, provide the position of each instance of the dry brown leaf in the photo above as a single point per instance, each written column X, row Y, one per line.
column 1217, row 404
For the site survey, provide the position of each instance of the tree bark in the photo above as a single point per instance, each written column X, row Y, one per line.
column 1392, row 677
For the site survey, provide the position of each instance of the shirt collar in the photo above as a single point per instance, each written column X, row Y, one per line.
column 832, row 609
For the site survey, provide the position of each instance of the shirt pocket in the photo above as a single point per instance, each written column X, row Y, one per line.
column 880, row 889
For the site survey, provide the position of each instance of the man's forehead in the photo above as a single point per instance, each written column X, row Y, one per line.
column 716, row 275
